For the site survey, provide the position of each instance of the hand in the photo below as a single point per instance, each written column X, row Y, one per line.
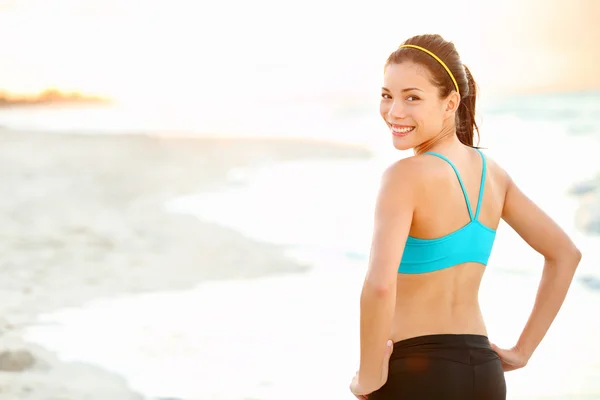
column 511, row 359
column 362, row 392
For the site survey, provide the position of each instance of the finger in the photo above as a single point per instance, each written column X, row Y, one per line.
column 388, row 353
column 390, row 347
column 498, row 350
column 509, row 367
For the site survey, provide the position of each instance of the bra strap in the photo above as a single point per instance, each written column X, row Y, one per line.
column 459, row 181
column 482, row 186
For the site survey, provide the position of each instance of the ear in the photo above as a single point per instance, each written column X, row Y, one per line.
column 451, row 104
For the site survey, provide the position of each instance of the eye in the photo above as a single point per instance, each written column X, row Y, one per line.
column 386, row 96
column 412, row 98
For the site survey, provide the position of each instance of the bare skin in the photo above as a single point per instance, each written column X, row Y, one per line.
column 446, row 301
column 421, row 196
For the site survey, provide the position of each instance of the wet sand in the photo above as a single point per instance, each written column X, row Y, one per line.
column 83, row 217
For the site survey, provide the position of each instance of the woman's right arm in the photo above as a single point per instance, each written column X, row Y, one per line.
column 561, row 260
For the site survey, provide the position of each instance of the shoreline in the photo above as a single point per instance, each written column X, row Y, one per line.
column 84, row 218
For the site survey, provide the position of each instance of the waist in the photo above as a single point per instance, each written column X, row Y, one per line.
column 455, row 345
column 425, row 320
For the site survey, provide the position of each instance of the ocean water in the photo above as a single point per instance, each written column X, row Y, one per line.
column 296, row 336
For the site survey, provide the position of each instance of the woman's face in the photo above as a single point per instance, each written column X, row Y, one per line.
column 411, row 105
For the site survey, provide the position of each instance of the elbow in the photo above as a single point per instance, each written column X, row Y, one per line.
column 573, row 255
column 378, row 289
column 570, row 256
column 576, row 256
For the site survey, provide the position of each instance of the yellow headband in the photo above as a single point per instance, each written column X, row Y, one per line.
column 438, row 60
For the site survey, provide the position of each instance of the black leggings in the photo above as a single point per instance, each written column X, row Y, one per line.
column 444, row 367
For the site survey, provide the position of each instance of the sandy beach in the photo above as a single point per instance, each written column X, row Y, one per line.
column 83, row 217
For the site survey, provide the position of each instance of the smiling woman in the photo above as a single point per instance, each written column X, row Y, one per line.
column 422, row 332
column 431, row 77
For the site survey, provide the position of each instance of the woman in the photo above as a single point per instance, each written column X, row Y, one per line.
column 422, row 335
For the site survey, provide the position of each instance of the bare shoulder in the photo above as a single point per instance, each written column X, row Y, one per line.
column 406, row 172
column 498, row 175
column 494, row 166
column 398, row 183
column 414, row 164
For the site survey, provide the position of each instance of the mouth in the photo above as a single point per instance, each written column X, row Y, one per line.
column 401, row 130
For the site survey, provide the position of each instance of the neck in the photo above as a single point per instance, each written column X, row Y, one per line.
column 447, row 139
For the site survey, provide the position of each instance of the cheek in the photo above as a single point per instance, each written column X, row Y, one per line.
column 384, row 108
column 426, row 116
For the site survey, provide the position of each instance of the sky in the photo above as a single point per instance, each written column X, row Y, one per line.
column 141, row 50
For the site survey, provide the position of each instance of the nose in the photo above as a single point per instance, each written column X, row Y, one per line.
column 396, row 111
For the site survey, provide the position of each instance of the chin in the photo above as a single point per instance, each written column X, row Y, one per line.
column 402, row 143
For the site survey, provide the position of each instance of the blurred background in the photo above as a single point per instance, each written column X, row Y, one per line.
column 188, row 187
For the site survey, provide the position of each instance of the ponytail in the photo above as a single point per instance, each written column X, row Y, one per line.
column 465, row 124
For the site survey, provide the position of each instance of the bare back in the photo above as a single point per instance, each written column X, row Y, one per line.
column 446, row 301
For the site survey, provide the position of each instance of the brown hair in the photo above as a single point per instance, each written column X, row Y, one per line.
column 445, row 50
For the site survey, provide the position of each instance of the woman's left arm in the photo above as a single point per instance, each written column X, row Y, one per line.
column 393, row 216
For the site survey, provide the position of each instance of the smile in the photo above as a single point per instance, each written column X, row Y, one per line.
column 401, row 131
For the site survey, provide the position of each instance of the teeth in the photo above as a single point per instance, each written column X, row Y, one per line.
column 402, row 130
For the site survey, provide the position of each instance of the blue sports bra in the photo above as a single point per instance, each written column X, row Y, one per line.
column 471, row 243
